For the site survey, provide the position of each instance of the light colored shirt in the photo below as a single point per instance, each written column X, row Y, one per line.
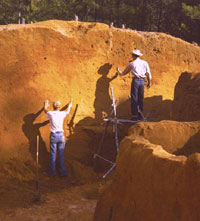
column 139, row 69
column 56, row 120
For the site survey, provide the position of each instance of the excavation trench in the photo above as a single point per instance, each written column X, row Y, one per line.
column 71, row 198
column 77, row 195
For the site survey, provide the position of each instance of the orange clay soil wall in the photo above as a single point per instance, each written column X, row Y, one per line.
column 151, row 184
column 60, row 60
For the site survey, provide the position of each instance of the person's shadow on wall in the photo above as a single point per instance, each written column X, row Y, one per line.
column 85, row 134
column 31, row 131
column 191, row 147
column 102, row 102
column 155, row 109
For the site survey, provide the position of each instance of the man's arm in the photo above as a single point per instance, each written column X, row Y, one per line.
column 148, row 79
column 126, row 70
column 46, row 105
column 69, row 107
column 148, row 74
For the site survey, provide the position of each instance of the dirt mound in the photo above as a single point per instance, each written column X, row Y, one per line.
column 186, row 104
column 180, row 138
column 151, row 184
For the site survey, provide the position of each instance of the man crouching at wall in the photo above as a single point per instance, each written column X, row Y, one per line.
column 57, row 138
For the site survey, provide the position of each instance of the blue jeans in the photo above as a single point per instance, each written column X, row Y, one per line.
column 137, row 96
column 57, row 140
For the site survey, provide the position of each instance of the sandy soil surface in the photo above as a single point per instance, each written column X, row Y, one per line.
column 61, row 199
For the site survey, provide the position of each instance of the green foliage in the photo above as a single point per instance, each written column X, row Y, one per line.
column 176, row 17
column 191, row 11
column 190, row 29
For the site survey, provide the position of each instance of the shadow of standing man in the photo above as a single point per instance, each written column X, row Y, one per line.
column 31, row 131
column 102, row 97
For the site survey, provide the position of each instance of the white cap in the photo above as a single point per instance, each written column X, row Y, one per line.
column 56, row 104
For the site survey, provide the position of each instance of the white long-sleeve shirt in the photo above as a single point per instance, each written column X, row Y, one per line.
column 139, row 69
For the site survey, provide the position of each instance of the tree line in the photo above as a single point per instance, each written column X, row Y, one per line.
column 180, row 18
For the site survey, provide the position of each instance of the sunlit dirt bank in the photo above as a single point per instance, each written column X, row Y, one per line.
column 158, row 166
column 60, row 60
column 151, row 184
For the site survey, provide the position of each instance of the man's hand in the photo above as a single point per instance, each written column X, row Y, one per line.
column 149, row 85
column 118, row 71
column 70, row 104
column 46, row 105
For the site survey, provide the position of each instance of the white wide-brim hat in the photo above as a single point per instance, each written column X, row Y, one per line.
column 137, row 52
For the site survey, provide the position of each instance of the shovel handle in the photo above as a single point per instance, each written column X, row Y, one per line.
column 37, row 152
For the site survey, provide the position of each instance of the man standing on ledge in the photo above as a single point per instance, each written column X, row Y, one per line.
column 140, row 69
column 57, row 139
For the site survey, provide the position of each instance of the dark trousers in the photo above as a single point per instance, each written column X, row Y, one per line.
column 137, row 96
